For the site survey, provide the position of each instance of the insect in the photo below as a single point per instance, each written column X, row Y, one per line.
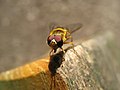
column 60, row 35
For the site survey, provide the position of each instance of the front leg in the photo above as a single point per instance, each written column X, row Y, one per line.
column 50, row 53
column 62, row 50
column 71, row 43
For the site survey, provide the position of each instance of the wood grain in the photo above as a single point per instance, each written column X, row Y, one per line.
column 87, row 66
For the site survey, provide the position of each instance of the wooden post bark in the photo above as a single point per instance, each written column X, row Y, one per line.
column 88, row 66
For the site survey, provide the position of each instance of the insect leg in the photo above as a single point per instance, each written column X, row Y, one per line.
column 51, row 52
column 69, row 43
column 51, row 82
column 71, row 40
column 54, row 82
column 63, row 50
column 69, row 37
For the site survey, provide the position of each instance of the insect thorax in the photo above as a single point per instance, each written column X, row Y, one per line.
column 60, row 31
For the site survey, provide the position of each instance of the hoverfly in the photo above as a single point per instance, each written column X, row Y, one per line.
column 60, row 35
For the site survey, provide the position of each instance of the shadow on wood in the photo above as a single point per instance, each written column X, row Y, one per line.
column 88, row 66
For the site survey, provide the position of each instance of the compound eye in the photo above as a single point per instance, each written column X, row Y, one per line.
column 57, row 38
column 49, row 40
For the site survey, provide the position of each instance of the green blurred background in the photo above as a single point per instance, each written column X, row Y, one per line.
column 24, row 25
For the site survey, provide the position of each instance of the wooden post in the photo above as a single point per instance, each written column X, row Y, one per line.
column 87, row 66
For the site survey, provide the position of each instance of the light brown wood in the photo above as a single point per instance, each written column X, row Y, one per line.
column 87, row 66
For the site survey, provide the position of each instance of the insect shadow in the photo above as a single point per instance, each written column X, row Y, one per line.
column 55, row 62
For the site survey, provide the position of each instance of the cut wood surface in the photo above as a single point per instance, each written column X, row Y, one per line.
column 90, row 65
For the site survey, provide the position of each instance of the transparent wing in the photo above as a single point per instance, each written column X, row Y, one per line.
column 71, row 27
